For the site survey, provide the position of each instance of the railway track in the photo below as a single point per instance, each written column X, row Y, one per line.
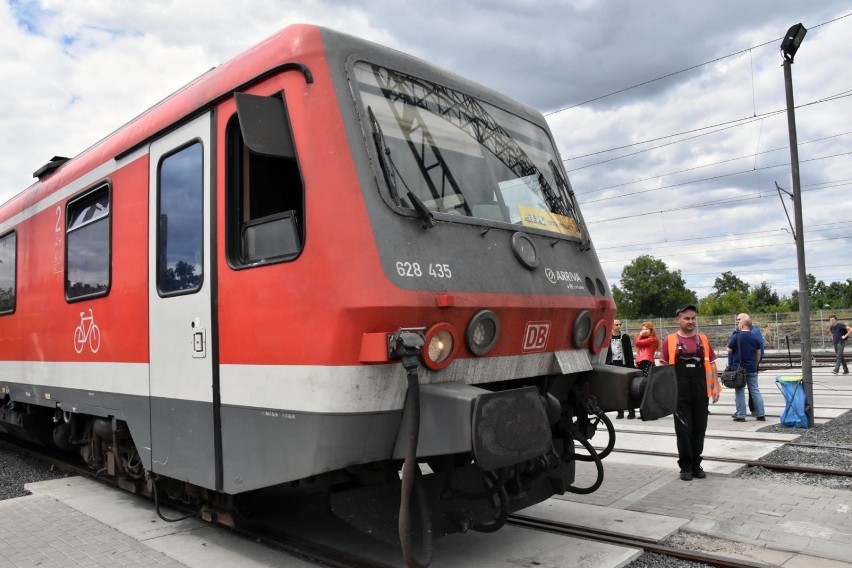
column 775, row 360
column 790, row 468
column 630, row 541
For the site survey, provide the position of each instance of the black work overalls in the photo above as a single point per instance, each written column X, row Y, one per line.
column 692, row 408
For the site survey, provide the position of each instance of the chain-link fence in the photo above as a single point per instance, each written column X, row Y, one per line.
column 781, row 330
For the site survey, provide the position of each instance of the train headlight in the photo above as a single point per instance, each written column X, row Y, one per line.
column 582, row 328
column 599, row 336
column 524, row 250
column 441, row 346
column 482, row 332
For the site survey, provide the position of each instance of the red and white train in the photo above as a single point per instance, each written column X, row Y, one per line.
column 315, row 265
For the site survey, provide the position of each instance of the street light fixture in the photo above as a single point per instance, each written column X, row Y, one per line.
column 791, row 42
column 789, row 47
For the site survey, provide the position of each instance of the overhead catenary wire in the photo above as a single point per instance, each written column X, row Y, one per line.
column 754, row 155
column 673, row 73
column 704, row 204
column 725, row 125
column 746, row 235
column 711, row 178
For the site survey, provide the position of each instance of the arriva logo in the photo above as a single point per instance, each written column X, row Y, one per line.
column 555, row 276
column 535, row 336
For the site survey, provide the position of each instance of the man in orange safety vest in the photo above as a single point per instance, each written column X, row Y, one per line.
column 697, row 382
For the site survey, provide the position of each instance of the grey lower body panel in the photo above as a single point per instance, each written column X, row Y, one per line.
column 182, row 440
column 132, row 409
column 264, row 447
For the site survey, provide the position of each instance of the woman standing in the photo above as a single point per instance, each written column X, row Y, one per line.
column 647, row 344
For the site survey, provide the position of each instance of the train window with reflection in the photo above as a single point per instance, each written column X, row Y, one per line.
column 265, row 193
column 461, row 157
column 8, row 272
column 180, row 231
column 87, row 245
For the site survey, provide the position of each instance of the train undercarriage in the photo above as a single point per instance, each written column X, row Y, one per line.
column 446, row 494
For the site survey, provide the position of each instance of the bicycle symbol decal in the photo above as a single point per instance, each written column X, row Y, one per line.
column 87, row 331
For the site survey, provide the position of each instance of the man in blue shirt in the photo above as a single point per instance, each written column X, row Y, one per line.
column 756, row 331
column 744, row 351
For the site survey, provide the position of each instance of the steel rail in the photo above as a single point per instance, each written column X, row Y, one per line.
column 748, row 463
column 767, row 439
column 642, row 543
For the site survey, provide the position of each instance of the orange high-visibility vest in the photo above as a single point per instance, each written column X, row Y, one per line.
column 709, row 375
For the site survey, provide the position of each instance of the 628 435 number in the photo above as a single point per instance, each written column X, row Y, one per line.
column 413, row 270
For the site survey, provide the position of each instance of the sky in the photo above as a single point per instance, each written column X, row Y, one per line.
column 669, row 115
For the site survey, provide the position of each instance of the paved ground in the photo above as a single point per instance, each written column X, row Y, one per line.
column 781, row 524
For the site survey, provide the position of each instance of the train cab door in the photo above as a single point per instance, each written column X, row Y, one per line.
column 180, row 279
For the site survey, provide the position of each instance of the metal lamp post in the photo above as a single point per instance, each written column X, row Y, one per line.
column 789, row 46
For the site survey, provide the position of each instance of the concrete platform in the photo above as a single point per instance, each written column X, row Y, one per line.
column 779, row 524
column 725, row 438
column 79, row 522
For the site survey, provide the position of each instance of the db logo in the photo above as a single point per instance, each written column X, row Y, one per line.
column 535, row 335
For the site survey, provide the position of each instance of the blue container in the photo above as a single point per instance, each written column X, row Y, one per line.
column 794, row 394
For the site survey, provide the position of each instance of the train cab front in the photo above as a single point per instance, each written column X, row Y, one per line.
column 467, row 455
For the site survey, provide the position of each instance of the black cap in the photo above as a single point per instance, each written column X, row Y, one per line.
column 684, row 308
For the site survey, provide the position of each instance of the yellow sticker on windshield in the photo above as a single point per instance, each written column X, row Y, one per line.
column 543, row 219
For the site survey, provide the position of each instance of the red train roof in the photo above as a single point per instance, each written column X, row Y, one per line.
column 284, row 47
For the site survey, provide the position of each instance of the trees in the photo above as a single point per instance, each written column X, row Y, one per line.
column 727, row 282
column 649, row 289
column 835, row 295
column 763, row 299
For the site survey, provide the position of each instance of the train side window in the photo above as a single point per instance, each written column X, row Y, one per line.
column 8, row 272
column 87, row 245
column 265, row 203
column 180, row 210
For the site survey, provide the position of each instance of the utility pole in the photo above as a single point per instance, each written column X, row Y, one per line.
column 789, row 45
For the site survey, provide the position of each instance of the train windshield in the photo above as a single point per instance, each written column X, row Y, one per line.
column 446, row 152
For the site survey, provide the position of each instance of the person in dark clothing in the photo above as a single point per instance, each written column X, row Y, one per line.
column 839, row 334
column 620, row 354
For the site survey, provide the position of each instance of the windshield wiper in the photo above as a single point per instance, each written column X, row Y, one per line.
column 384, row 156
column 568, row 193
column 388, row 167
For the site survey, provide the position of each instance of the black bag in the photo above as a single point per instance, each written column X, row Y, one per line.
column 734, row 378
column 660, row 396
